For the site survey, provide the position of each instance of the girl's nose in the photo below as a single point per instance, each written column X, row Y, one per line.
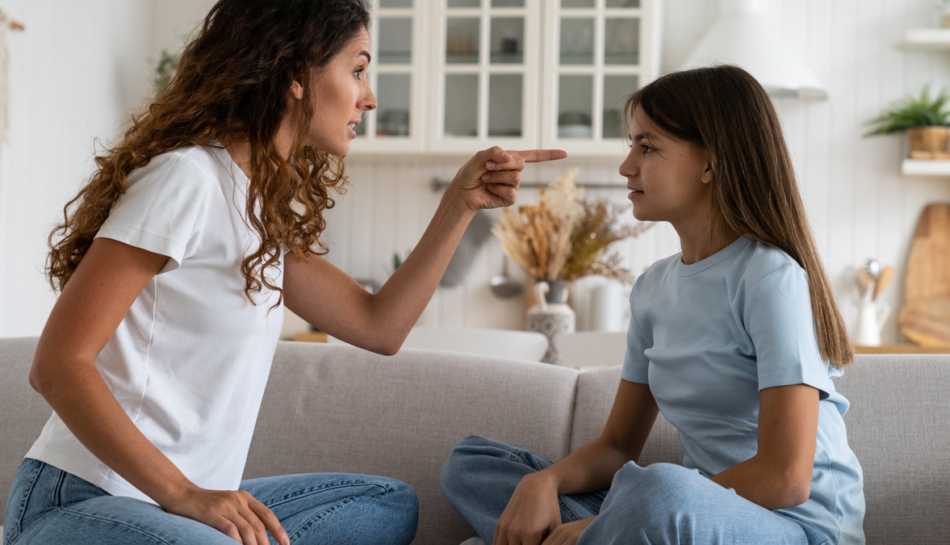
column 369, row 102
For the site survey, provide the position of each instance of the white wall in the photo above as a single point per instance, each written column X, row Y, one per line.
column 74, row 74
column 72, row 70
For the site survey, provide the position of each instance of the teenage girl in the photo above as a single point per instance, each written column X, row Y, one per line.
column 735, row 340
column 175, row 261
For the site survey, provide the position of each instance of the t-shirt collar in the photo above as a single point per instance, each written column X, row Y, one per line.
column 683, row 269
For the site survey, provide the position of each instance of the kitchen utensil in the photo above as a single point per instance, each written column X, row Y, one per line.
column 502, row 285
column 883, row 281
column 927, row 321
column 926, row 317
column 865, row 281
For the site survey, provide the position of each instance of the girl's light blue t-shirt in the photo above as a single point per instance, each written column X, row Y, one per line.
column 709, row 336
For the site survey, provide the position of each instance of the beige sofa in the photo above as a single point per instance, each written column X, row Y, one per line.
column 337, row 408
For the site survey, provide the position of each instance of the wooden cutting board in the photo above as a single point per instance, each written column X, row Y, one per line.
column 926, row 317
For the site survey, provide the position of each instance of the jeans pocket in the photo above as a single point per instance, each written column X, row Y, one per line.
column 23, row 483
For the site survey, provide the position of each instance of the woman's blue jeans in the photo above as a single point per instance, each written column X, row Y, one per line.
column 49, row 506
column 657, row 504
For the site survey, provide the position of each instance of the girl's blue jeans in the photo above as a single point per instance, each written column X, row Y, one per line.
column 657, row 504
column 47, row 506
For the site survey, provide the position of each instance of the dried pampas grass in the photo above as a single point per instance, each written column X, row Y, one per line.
column 563, row 237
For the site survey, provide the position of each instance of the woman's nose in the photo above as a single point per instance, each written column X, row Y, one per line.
column 369, row 101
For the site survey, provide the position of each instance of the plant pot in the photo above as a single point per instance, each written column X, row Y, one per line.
column 929, row 142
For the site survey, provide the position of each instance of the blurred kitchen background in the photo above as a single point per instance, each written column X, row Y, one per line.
column 79, row 66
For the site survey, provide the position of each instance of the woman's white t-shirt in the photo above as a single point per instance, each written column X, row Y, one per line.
column 190, row 360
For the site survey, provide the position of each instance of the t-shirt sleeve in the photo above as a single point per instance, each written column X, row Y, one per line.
column 635, row 363
column 161, row 209
column 778, row 317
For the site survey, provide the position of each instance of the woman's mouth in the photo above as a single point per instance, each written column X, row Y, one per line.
column 634, row 194
column 352, row 127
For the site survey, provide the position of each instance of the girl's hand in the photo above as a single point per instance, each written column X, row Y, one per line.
column 568, row 533
column 532, row 513
column 236, row 514
column 490, row 179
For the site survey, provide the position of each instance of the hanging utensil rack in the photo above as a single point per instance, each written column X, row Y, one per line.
column 438, row 184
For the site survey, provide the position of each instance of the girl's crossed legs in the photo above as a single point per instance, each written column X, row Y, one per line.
column 657, row 504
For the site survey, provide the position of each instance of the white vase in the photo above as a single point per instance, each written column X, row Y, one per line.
column 551, row 315
column 871, row 317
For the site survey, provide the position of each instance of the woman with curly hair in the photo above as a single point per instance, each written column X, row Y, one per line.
column 175, row 261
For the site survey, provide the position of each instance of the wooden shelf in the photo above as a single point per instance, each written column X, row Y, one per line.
column 925, row 167
column 901, row 349
column 927, row 39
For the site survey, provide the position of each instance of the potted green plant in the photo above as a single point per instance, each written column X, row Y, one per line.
column 924, row 118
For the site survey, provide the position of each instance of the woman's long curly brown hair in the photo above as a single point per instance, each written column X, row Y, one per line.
column 232, row 85
column 725, row 111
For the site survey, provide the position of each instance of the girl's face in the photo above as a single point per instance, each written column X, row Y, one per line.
column 340, row 96
column 669, row 178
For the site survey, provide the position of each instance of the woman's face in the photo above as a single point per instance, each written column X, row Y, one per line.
column 669, row 178
column 340, row 96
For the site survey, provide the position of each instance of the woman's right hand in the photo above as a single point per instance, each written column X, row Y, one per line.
column 532, row 512
column 236, row 514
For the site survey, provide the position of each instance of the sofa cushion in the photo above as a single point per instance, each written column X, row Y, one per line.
column 23, row 411
column 595, row 396
column 899, row 428
column 338, row 408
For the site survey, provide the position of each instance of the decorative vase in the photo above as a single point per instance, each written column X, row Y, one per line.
column 871, row 316
column 551, row 315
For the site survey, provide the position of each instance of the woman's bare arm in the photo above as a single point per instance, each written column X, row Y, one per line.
column 330, row 300
column 96, row 299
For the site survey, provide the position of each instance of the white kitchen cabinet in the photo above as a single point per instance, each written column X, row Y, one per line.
column 397, row 74
column 514, row 73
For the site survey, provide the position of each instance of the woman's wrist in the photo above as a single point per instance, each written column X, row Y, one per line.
column 455, row 204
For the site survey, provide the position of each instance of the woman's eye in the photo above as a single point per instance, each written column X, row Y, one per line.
column 646, row 148
column 359, row 72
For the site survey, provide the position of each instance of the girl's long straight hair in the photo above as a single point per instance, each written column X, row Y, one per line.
column 725, row 111
column 232, row 86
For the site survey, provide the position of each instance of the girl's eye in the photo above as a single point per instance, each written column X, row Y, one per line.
column 359, row 72
column 646, row 148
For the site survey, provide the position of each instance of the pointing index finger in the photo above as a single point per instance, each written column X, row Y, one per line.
column 541, row 155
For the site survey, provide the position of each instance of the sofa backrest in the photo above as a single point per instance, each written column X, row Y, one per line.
column 340, row 409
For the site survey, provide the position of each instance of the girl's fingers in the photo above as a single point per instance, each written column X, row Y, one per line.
column 507, row 193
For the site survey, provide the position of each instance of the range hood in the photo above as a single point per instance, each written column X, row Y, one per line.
column 746, row 36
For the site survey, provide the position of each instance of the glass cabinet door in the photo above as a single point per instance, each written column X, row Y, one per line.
column 395, row 76
column 485, row 73
column 596, row 63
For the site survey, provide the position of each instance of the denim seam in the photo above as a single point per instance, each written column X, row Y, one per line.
column 142, row 531
column 305, row 525
column 311, row 491
column 21, row 509
column 58, row 489
column 565, row 509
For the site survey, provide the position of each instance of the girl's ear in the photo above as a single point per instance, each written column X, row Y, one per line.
column 707, row 176
column 296, row 90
